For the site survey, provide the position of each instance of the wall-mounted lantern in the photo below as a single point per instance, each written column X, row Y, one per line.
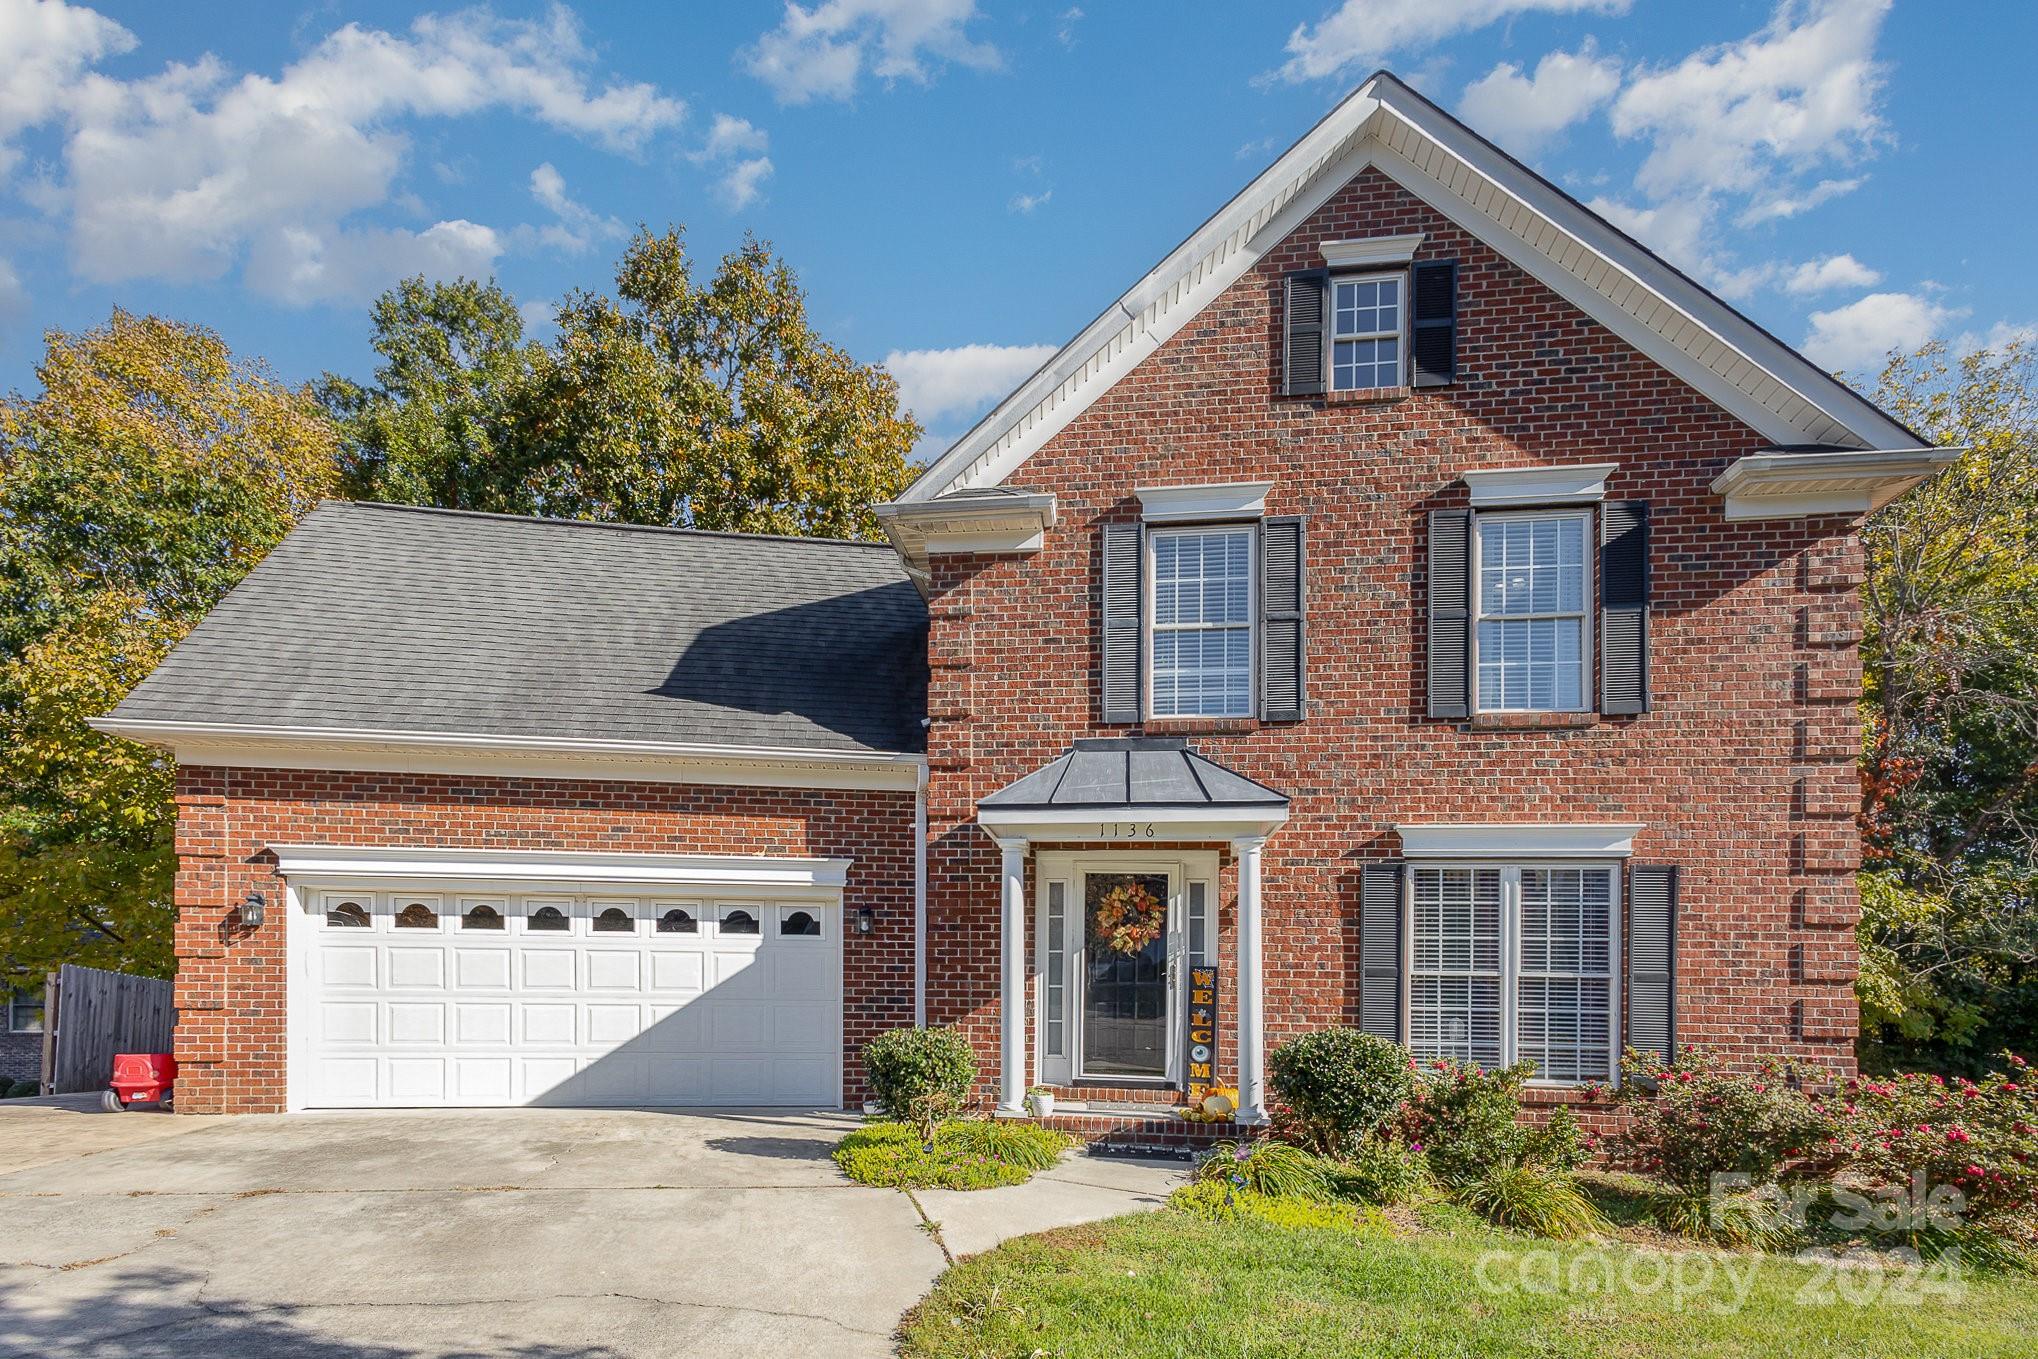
column 866, row 920
column 252, row 908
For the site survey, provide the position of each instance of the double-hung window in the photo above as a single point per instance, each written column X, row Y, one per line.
column 1201, row 642
column 1532, row 644
column 1365, row 332
column 1514, row 961
column 22, row 1011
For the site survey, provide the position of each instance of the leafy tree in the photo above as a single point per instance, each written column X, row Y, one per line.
column 1950, row 768
column 676, row 401
column 148, row 476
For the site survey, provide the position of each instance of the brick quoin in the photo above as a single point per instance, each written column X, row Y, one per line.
column 230, row 982
column 1752, row 651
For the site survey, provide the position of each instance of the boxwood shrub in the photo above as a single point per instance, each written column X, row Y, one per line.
column 909, row 1065
column 1338, row 1086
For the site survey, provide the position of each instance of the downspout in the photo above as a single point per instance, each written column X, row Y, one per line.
column 920, row 897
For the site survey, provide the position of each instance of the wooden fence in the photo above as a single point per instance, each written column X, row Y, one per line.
column 89, row 1015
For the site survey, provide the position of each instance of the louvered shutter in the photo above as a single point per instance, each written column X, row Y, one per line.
column 1281, row 620
column 1624, row 607
column 1652, row 958
column 1121, row 551
column 1433, row 324
column 1450, row 613
column 1305, row 316
column 1380, row 949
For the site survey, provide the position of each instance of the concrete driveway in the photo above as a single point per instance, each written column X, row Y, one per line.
column 504, row 1233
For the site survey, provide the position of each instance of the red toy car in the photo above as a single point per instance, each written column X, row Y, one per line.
column 141, row 1077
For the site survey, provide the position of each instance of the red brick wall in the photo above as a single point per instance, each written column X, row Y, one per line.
column 1742, row 772
column 230, row 981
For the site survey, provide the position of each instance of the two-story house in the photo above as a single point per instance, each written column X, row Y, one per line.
column 1412, row 601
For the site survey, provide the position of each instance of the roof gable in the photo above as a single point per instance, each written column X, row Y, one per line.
column 1579, row 255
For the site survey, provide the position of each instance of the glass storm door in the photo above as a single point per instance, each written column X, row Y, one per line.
column 1124, row 976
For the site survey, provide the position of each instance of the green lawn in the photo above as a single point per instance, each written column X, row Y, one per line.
column 1167, row 1283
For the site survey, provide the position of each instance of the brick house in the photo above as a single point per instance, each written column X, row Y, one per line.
column 1412, row 601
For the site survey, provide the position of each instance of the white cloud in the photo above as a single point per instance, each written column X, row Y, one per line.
column 730, row 136
column 301, row 266
column 1065, row 26
column 1997, row 337
column 577, row 226
column 1027, row 203
column 1366, row 32
column 1859, row 336
column 1676, row 230
column 823, row 52
column 179, row 175
column 744, row 182
column 1751, row 117
column 1772, row 205
column 935, row 383
column 13, row 299
column 1834, row 271
column 47, row 46
column 1525, row 112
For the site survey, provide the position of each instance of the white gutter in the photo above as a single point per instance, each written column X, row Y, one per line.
column 920, row 898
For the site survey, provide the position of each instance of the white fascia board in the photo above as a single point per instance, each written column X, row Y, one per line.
column 1181, row 504
column 412, row 752
column 1544, row 840
column 1371, row 251
column 412, row 864
column 1581, row 484
column 1800, row 485
column 1127, row 827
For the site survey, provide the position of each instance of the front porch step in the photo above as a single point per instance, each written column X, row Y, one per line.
column 1108, row 1128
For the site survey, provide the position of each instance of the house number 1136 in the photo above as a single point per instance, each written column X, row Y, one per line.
column 1125, row 830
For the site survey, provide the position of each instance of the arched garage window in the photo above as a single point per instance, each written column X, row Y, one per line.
column 417, row 916
column 676, row 921
column 481, row 917
column 615, row 920
column 801, row 923
column 546, row 918
column 348, row 915
column 739, row 922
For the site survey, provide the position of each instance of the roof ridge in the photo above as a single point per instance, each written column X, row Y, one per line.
column 335, row 503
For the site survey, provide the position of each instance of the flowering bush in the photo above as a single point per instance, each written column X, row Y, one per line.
column 1693, row 1119
column 1980, row 1137
column 1466, row 1121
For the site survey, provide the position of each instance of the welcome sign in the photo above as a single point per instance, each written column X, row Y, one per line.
column 1201, row 1015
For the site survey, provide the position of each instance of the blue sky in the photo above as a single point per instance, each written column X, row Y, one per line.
column 962, row 184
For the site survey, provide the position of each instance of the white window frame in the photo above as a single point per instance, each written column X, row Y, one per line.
column 1399, row 277
column 1510, row 952
column 1587, row 672
column 1149, row 616
column 10, row 999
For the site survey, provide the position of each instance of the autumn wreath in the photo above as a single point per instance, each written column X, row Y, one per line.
column 1129, row 918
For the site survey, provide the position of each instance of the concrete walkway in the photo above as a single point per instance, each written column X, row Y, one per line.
column 534, row 1232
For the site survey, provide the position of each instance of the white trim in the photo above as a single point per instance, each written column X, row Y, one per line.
column 1132, row 826
column 1784, row 485
column 1192, row 504
column 1527, row 840
column 390, row 864
column 1400, row 334
column 1586, row 614
column 1500, row 487
column 1384, row 124
column 1371, row 251
column 1149, row 624
column 483, row 753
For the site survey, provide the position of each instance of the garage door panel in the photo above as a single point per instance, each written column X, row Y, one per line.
column 472, row 1015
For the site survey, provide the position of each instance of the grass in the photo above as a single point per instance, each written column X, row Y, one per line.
column 1183, row 1283
column 964, row 1155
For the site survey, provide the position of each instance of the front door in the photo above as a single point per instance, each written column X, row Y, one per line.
column 1124, row 976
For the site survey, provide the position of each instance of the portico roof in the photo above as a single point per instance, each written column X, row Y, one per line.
column 1155, row 782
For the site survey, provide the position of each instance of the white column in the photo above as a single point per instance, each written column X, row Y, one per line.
column 1012, row 1070
column 1252, row 1079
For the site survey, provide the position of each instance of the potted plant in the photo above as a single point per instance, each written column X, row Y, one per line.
column 1040, row 1099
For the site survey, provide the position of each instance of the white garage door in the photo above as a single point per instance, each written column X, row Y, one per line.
column 472, row 998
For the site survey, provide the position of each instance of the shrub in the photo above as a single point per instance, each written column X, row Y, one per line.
column 1216, row 1201
column 1743, row 1219
column 1979, row 1137
column 1026, row 1145
column 1466, row 1121
column 20, row 1090
column 1277, row 1169
column 1381, row 1171
column 1531, row 1198
column 1338, row 1086
column 908, row 1064
column 1693, row 1119
column 969, row 1155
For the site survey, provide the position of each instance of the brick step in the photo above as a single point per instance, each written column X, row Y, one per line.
column 1117, row 1094
column 1129, row 1127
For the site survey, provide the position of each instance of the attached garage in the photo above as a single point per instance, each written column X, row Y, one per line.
column 427, row 978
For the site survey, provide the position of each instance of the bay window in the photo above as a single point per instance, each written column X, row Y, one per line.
column 1201, row 636
column 1514, row 961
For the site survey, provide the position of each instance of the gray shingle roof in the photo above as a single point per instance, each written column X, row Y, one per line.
column 389, row 618
column 1133, row 772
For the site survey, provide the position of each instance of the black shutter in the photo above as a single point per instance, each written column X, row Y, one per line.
column 1380, row 949
column 1281, row 620
column 1652, row 958
column 1450, row 613
column 1305, row 316
column 1624, row 607
column 1433, row 337
column 1120, row 622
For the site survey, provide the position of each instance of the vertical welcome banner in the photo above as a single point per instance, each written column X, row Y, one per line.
column 1201, row 1047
